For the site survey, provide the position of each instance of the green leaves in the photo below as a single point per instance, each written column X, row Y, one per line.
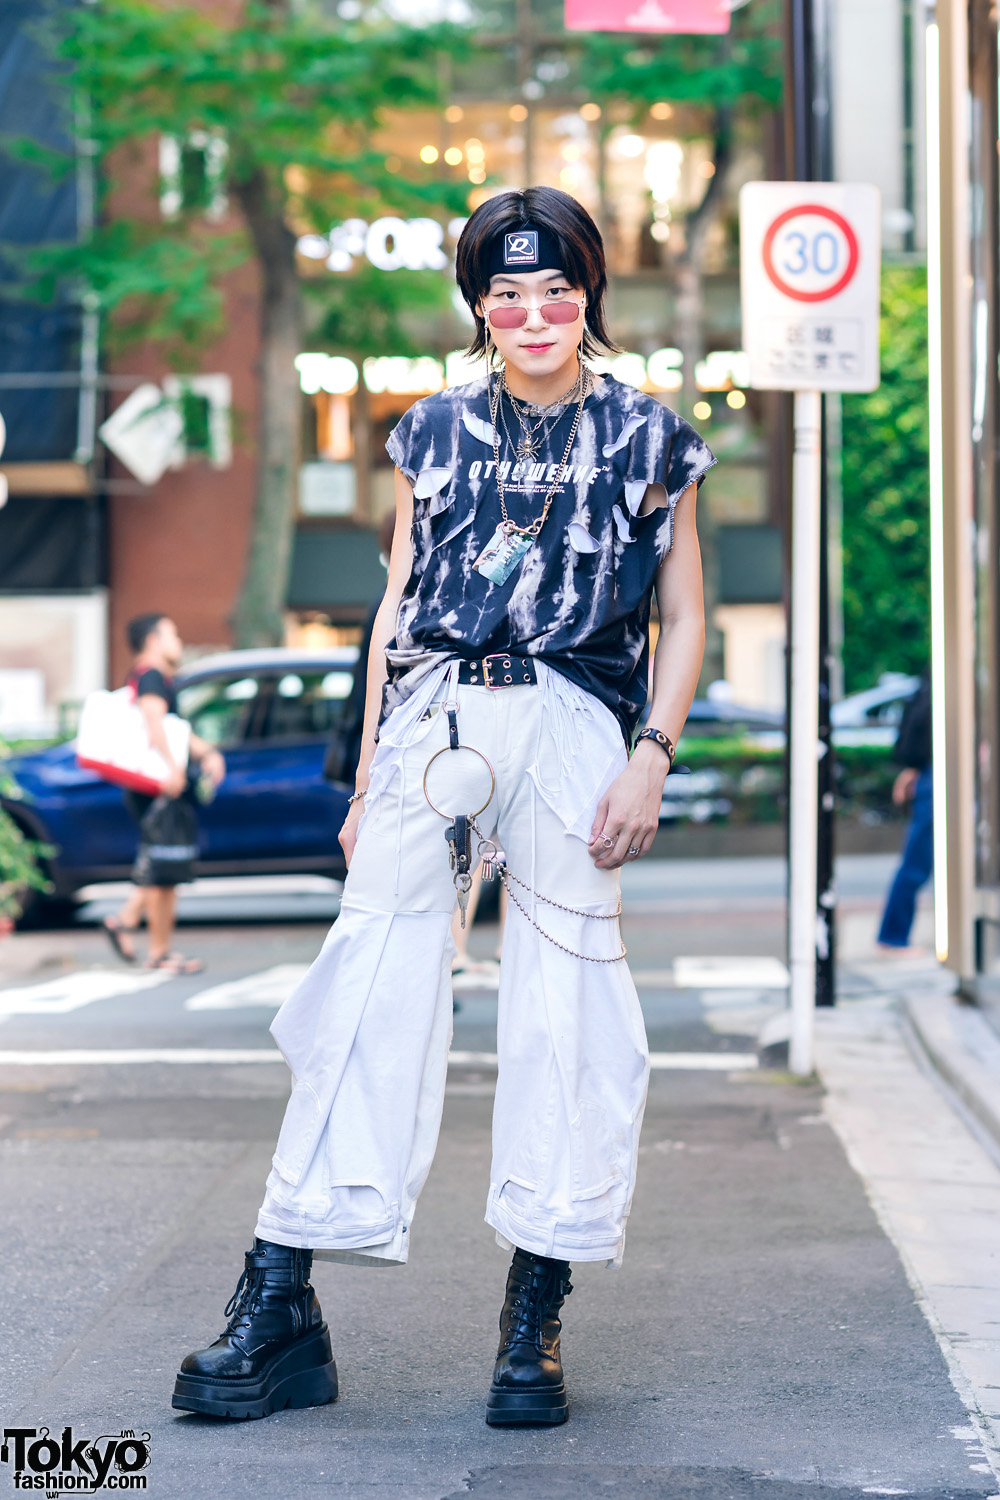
column 372, row 311
column 284, row 89
column 20, row 870
column 742, row 67
column 885, row 486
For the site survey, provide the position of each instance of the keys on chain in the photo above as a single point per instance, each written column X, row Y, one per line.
column 459, row 836
column 463, row 885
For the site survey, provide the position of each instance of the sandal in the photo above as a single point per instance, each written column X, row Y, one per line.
column 175, row 963
column 114, row 930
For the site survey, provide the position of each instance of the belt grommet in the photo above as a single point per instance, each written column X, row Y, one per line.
column 527, row 677
column 508, row 679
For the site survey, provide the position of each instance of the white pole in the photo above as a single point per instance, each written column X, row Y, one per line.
column 803, row 723
column 938, row 567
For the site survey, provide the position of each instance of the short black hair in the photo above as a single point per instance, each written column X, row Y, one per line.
column 579, row 240
column 141, row 628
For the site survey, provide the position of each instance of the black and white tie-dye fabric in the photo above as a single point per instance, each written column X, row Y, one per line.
column 580, row 599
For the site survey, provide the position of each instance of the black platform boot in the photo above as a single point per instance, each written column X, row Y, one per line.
column 528, row 1389
column 275, row 1351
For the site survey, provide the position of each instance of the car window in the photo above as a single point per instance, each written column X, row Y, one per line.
column 888, row 713
column 220, row 709
column 302, row 704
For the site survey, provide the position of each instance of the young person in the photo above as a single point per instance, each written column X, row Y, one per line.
column 157, row 649
column 536, row 511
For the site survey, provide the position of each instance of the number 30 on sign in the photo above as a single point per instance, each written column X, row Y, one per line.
column 810, row 263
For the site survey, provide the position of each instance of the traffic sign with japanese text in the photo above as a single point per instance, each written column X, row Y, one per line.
column 810, row 262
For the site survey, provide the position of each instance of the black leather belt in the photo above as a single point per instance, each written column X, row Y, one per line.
column 497, row 671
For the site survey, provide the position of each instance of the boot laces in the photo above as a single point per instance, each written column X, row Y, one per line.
column 246, row 1300
column 530, row 1307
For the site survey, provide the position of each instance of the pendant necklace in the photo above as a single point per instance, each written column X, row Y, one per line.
column 533, row 435
column 510, row 542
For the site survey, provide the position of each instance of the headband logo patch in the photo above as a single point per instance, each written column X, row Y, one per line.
column 520, row 248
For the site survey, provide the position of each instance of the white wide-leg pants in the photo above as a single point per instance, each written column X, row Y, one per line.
column 366, row 1034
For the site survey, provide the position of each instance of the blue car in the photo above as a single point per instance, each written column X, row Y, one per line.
column 271, row 713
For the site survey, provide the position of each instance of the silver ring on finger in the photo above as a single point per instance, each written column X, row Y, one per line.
column 607, row 841
column 633, row 850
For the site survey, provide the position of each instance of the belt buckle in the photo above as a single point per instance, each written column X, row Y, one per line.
column 487, row 678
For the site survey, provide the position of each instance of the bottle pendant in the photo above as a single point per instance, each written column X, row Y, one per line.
column 502, row 554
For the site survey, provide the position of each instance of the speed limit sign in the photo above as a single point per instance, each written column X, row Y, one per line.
column 810, row 261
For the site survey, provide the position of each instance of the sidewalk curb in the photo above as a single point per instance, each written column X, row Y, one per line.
column 964, row 1050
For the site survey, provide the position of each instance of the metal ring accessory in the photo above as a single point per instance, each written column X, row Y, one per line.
column 447, row 750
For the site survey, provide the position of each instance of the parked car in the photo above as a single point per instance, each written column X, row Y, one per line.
column 873, row 717
column 710, row 716
column 271, row 712
column 695, row 797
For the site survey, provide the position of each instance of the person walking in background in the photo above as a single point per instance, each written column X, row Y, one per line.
column 914, row 783
column 158, row 649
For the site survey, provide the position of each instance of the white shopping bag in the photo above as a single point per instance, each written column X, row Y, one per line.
column 113, row 741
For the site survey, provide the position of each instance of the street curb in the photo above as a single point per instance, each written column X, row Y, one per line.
column 963, row 1048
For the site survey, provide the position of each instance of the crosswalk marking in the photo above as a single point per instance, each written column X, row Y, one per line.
column 710, row 973
column 270, row 987
column 712, row 1062
column 54, row 997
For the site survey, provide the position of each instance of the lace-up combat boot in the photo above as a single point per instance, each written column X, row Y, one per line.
column 528, row 1389
column 275, row 1351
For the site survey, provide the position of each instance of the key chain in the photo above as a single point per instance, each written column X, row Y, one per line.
column 460, row 825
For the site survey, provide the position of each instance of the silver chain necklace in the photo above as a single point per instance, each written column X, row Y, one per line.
column 533, row 434
column 508, row 526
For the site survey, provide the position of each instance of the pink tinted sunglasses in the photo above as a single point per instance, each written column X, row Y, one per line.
column 552, row 312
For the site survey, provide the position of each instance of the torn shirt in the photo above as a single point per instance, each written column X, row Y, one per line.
column 580, row 598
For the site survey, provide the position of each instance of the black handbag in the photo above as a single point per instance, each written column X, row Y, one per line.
column 168, row 844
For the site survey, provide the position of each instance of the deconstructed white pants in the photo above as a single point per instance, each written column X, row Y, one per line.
column 366, row 1034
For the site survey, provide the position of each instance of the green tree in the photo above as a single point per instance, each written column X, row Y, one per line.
column 725, row 77
column 292, row 99
column 885, row 487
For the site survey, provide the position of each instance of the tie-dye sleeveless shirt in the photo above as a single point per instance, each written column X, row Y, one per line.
column 580, row 598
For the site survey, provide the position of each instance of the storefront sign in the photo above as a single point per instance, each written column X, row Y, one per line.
column 390, row 243
column 648, row 15
column 810, row 266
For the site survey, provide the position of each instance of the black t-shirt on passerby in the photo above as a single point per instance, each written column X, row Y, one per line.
column 151, row 683
column 913, row 743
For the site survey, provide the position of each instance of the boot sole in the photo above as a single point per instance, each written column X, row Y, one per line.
column 506, row 1408
column 303, row 1375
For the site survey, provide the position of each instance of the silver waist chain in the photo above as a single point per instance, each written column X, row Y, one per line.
column 495, row 866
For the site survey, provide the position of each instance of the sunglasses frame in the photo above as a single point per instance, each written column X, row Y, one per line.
column 541, row 308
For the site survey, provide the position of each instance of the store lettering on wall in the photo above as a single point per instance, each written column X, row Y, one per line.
column 390, row 243
column 686, row 16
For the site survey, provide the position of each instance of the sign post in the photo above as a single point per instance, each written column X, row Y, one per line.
column 810, row 263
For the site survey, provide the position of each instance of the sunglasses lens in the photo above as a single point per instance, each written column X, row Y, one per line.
column 561, row 312
column 507, row 317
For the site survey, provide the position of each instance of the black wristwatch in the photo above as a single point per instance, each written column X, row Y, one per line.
column 661, row 739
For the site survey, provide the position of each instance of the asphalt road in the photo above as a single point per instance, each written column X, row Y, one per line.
column 760, row 1341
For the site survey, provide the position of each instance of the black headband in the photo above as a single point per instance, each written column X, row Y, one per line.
column 532, row 248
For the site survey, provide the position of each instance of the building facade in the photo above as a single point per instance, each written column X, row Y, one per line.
column 172, row 532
